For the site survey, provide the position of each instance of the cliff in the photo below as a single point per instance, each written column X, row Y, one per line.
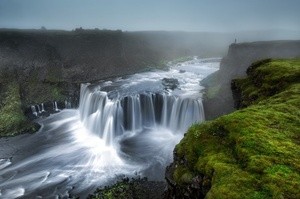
column 87, row 55
column 252, row 152
column 218, row 99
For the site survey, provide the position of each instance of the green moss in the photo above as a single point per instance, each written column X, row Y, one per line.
column 135, row 188
column 12, row 118
column 253, row 152
column 119, row 190
column 263, row 81
column 182, row 175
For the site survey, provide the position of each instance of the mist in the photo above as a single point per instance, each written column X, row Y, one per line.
column 170, row 15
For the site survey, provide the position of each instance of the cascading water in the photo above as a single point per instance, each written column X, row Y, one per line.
column 108, row 118
column 55, row 108
column 43, row 109
column 127, row 126
column 33, row 109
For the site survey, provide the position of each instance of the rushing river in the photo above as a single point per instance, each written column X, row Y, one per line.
column 128, row 126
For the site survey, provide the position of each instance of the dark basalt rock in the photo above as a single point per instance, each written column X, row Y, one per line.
column 197, row 189
column 134, row 188
column 170, row 83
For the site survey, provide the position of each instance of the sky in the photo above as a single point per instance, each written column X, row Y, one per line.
column 133, row 15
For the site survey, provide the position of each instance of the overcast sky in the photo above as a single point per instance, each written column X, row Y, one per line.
column 186, row 15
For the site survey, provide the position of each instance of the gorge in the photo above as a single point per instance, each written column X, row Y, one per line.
column 110, row 106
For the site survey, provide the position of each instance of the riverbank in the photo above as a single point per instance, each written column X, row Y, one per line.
column 134, row 188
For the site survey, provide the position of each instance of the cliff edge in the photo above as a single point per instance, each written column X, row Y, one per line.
column 251, row 153
column 218, row 98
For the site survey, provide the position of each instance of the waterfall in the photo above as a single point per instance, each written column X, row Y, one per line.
column 126, row 126
column 33, row 109
column 138, row 131
column 55, row 108
column 68, row 104
column 39, row 110
column 108, row 117
column 43, row 109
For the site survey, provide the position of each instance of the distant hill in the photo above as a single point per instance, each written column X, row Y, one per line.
column 87, row 55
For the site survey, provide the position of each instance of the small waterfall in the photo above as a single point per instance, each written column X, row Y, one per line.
column 55, row 108
column 108, row 118
column 43, row 109
column 33, row 109
column 67, row 104
column 39, row 110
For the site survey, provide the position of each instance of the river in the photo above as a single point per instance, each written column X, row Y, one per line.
column 127, row 126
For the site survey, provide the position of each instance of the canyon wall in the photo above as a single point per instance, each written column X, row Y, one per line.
column 218, row 99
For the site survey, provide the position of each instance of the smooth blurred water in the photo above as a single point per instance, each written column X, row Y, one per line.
column 124, row 127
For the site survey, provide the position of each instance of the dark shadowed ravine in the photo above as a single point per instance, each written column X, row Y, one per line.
column 124, row 127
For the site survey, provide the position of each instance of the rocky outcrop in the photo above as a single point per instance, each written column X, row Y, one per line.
column 194, row 187
column 135, row 188
column 219, row 100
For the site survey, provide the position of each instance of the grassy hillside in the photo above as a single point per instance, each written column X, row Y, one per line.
column 253, row 152
column 12, row 118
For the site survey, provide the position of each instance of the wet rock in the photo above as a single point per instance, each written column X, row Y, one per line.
column 170, row 83
column 196, row 189
column 134, row 188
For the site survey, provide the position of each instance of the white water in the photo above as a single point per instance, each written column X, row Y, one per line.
column 127, row 126
column 108, row 118
column 43, row 109
column 33, row 109
column 55, row 108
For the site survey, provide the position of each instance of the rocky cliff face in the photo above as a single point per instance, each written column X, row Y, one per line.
column 219, row 99
column 72, row 56
column 55, row 61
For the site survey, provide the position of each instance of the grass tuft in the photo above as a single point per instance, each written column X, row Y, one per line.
column 12, row 118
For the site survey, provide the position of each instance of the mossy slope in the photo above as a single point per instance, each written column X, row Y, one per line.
column 12, row 119
column 253, row 152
